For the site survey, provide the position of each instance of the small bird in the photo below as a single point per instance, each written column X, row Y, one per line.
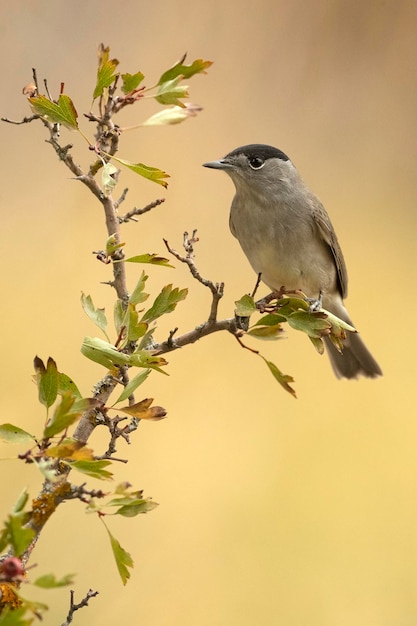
column 289, row 240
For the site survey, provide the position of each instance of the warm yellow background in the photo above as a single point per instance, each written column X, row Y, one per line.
column 273, row 511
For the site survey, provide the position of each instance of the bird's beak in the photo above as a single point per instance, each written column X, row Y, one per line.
column 222, row 164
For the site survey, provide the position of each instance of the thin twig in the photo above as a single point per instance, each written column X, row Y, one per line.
column 74, row 607
column 131, row 214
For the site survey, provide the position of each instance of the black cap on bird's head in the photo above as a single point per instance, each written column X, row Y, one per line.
column 254, row 154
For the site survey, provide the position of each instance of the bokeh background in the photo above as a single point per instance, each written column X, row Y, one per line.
column 272, row 511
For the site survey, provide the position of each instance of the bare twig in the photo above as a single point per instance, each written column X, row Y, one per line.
column 131, row 214
column 75, row 607
column 25, row 120
column 217, row 289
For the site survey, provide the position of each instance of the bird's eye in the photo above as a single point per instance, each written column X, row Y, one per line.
column 256, row 163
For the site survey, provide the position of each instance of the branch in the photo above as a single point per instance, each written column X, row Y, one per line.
column 74, row 607
column 130, row 215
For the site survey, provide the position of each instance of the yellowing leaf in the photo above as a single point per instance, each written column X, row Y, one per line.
column 105, row 73
column 283, row 379
column 153, row 259
column 61, row 112
column 143, row 410
column 170, row 91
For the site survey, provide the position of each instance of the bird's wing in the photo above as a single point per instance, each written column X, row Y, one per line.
column 327, row 232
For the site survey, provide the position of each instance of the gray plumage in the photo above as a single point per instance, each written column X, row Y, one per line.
column 288, row 238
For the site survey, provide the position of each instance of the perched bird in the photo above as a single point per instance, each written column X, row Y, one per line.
column 289, row 240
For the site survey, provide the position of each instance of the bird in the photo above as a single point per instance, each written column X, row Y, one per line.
column 287, row 236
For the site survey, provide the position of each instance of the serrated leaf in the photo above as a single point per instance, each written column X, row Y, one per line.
column 246, row 306
column 122, row 558
column 49, row 581
column 131, row 82
column 106, row 73
column 65, row 383
column 4, row 540
column 61, row 112
column 97, row 316
column 180, row 69
column 144, row 411
column 14, row 434
column 136, row 507
column 165, row 302
column 47, row 380
column 133, row 385
column 153, row 259
column 20, row 536
column 171, row 91
column 283, row 379
column 138, row 295
column 94, row 469
column 151, row 173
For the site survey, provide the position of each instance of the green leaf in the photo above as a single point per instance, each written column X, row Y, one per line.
column 47, row 381
column 133, row 328
column 19, row 536
column 246, row 306
column 314, row 324
column 271, row 319
column 131, row 82
column 103, row 352
column 112, row 244
column 133, row 385
column 61, row 112
column 180, row 69
column 135, row 507
column 165, row 302
column 4, row 540
column 122, row 558
column 138, row 295
column 49, row 581
column 66, row 413
column 14, row 434
column 105, row 73
column 97, row 316
column 65, row 383
column 171, row 91
column 154, row 259
column 94, row 469
column 283, row 379
column 151, row 173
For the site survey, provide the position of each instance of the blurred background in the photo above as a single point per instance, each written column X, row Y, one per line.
column 272, row 510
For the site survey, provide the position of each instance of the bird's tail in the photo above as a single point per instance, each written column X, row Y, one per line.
column 355, row 360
